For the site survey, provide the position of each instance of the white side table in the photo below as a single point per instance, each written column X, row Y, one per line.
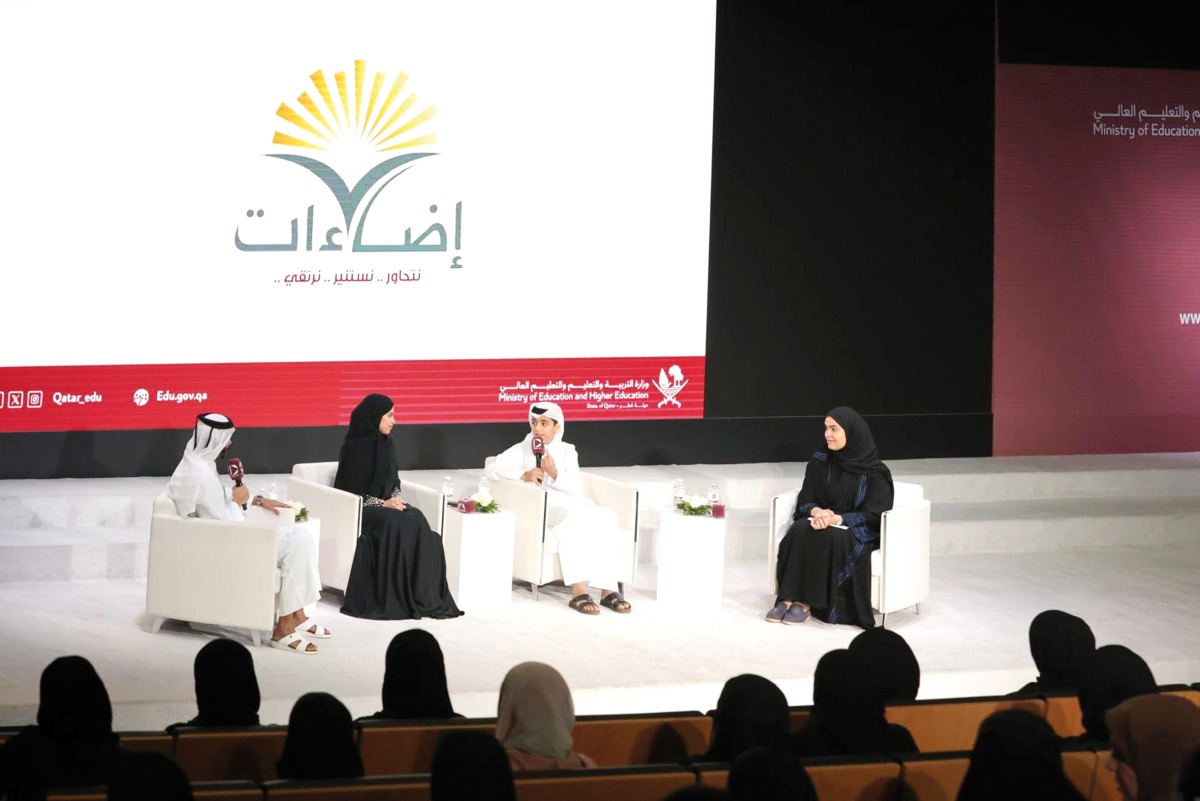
column 691, row 561
column 479, row 557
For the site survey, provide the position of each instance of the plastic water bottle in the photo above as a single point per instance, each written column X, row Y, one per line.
column 448, row 487
column 714, row 495
column 273, row 493
column 678, row 491
column 484, row 488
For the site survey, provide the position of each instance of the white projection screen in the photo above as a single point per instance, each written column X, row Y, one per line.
column 272, row 209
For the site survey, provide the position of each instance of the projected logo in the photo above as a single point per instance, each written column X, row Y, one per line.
column 670, row 383
column 356, row 136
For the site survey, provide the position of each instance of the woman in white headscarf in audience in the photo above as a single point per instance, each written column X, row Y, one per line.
column 586, row 534
column 536, row 720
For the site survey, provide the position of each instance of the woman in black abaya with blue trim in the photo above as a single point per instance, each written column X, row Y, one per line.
column 399, row 568
column 824, row 563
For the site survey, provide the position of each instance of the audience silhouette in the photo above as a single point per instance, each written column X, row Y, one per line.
column 320, row 741
column 414, row 681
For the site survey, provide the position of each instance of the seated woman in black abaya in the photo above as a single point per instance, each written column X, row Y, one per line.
column 824, row 564
column 399, row 568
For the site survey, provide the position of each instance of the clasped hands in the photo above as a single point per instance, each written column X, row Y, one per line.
column 824, row 518
column 538, row 474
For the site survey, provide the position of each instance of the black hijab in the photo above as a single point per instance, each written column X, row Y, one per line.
column 74, row 706
column 761, row 773
column 1111, row 674
column 414, row 683
column 1060, row 644
column 751, row 712
column 859, row 455
column 73, row 743
column 367, row 464
column 890, row 662
column 1016, row 755
column 846, row 719
column 320, row 741
column 471, row 764
column 226, row 687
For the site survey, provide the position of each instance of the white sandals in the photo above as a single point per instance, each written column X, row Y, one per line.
column 321, row 634
column 285, row 644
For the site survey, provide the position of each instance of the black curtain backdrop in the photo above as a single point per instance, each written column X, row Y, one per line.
column 850, row 249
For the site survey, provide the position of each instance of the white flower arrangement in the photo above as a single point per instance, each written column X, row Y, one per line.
column 485, row 503
column 694, row 505
column 301, row 510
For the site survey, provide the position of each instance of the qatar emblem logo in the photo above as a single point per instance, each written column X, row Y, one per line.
column 670, row 383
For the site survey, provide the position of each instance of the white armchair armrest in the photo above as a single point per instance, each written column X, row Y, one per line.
column 777, row 525
column 211, row 571
column 528, row 503
column 431, row 502
column 340, row 514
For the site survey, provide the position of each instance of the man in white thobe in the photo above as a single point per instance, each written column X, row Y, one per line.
column 197, row 491
column 587, row 535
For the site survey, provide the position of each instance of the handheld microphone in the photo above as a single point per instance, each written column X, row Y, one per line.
column 539, row 450
column 237, row 473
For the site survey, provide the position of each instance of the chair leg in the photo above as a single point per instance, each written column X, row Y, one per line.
column 158, row 621
column 256, row 636
column 884, row 623
column 917, row 607
column 533, row 586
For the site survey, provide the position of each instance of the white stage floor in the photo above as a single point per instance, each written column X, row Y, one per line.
column 970, row 638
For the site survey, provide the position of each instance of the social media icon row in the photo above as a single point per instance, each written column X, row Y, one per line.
column 21, row 399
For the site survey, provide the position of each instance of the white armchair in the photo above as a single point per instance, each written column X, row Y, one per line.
column 216, row 572
column 899, row 567
column 340, row 514
column 535, row 550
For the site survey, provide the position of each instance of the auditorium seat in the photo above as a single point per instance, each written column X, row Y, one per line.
column 1191, row 693
column 218, row 754
column 933, row 777
column 1081, row 766
column 1063, row 715
column 858, row 778
column 951, row 724
column 899, row 566
column 398, row 747
column 797, row 717
column 147, row 741
column 212, row 571
column 1104, row 785
column 340, row 514
column 393, row 747
column 369, row 788
column 640, row 783
column 644, row 739
column 201, row 791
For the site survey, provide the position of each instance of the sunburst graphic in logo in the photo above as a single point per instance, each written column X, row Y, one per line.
column 354, row 129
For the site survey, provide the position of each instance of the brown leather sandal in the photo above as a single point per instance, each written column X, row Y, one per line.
column 584, row 604
column 616, row 602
